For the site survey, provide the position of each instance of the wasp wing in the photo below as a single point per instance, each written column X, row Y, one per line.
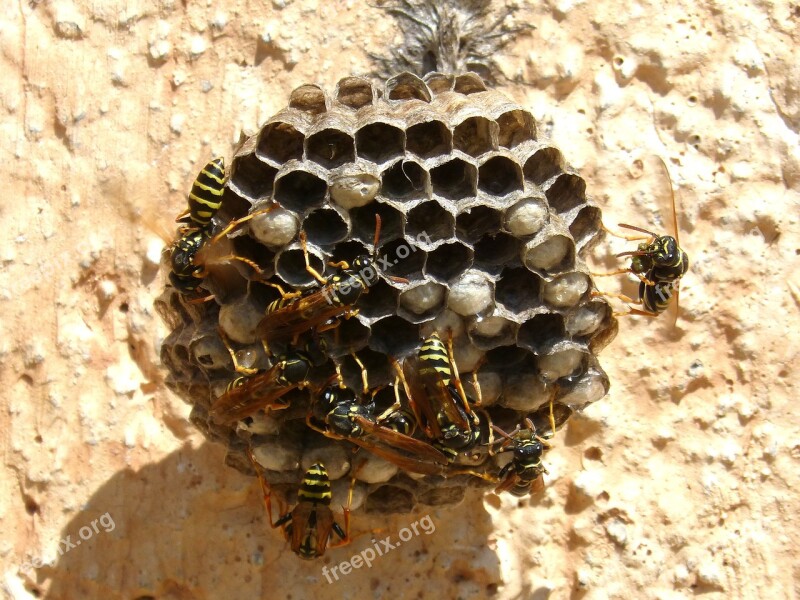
column 304, row 314
column 257, row 392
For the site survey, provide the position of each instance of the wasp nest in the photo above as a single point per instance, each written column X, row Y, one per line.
column 484, row 229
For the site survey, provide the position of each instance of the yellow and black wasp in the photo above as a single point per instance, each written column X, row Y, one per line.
column 659, row 263
column 524, row 473
column 205, row 197
column 308, row 526
column 321, row 308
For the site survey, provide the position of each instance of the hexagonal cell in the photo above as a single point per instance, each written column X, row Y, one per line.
column 566, row 192
column 325, row 226
column 499, row 176
column 379, row 142
column 379, row 371
column 448, row 261
column 476, row 222
column 586, row 226
column 309, row 98
column 471, row 294
column 469, row 83
column 454, row 180
column 380, row 301
column 394, row 336
column 300, row 190
column 498, row 249
column 363, row 223
column 509, row 359
column 431, row 221
column 281, row 142
column 330, row 148
column 355, row 92
column 439, row 82
column 587, row 319
column 347, row 251
column 407, row 86
column 424, row 300
column 490, row 332
column 552, row 253
column 525, row 392
column 429, row 139
column 518, row 290
column 354, row 187
column 250, row 249
column 516, row 126
column 569, row 362
column 578, row 392
column 544, row 164
column 252, row 178
column 290, row 266
column 436, row 496
column 475, row 136
column 403, row 263
column 239, row 319
column 234, row 205
column 527, row 216
column 275, row 228
column 566, row 290
column 390, row 499
column 405, row 180
column 209, row 352
column 349, row 336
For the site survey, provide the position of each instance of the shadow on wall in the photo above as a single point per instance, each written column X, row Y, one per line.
column 190, row 527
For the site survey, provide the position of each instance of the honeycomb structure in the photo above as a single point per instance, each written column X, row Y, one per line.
column 482, row 219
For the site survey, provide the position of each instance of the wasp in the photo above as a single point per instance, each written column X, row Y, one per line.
column 524, row 473
column 295, row 313
column 437, row 398
column 308, row 526
column 205, row 197
column 659, row 262
column 253, row 391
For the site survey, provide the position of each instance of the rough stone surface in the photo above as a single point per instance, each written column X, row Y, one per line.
column 691, row 470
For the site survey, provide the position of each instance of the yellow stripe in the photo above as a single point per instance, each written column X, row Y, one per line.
column 212, row 176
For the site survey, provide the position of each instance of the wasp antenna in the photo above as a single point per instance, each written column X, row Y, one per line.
column 635, row 228
column 377, row 234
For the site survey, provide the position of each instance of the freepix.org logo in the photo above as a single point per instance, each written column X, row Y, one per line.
column 66, row 544
column 379, row 548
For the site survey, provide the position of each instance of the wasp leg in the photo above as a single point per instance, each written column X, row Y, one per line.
column 311, row 270
column 259, row 272
column 236, row 366
column 457, row 380
column 342, row 264
column 395, row 405
column 345, row 535
column 200, row 300
column 236, row 222
column 414, row 408
column 266, row 491
column 284, row 294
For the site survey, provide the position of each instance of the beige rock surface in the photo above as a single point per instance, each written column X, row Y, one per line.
column 681, row 482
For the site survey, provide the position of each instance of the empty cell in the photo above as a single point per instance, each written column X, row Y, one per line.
column 429, row 221
column 380, row 301
column 518, row 290
column 349, row 336
column 291, row 267
column 448, row 261
column 379, row 142
column 300, row 190
column 407, row 86
column 587, row 319
column 404, row 259
column 405, row 180
column 439, row 82
column 516, row 126
column 499, row 176
column 281, row 142
column 566, row 290
column 509, row 359
column 325, row 226
column 355, row 92
column 423, row 298
column 475, row 136
column 379, row 371
column 566, row 192
column 544, row 164
column 354, row 189
column 565, row 363
column 454, row 180
column 437, row 496
column 469, row 83
column 554, row 253
column 542, row 331
column 330, row 148
column 394, row 336
column 476, row 222
column 390, row 499
column 347, row 251
column 471, row 294
column 586, row 226
column 429, row 139
column 249, row 248
column 234, row 204
column 527, row 217
column 363, row 223
column 252, row 178
column 275, row 228
column 498, row 249
column 309, row 98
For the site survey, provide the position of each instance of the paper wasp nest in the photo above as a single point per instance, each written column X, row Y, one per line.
column 481, row 216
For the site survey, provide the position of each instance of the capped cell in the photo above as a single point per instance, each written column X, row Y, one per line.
column 275, row 228
column 549, row 253
column 423, row 298
column 309, row 98
column 354, row 189
column 527, row 216
column 566, row 290
column 355, row 92
column 471, row 294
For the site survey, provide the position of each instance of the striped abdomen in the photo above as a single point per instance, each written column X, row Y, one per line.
column 316, row 487
column 433, row 359
column 205, row 196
